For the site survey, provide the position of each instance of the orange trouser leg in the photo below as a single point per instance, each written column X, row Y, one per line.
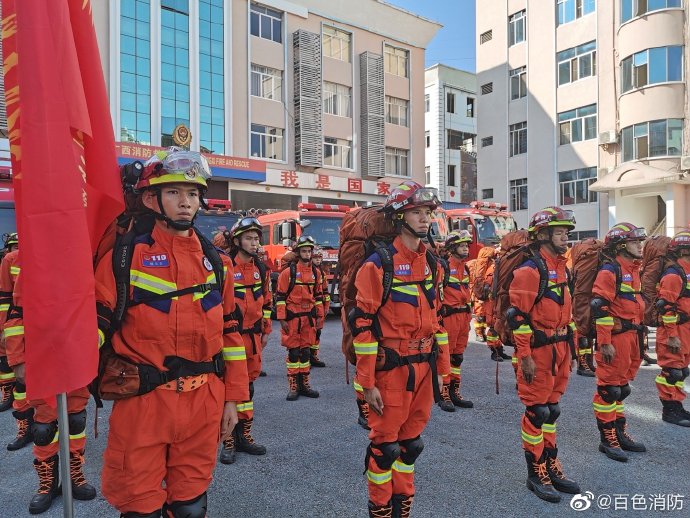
column 553, row 367
column 45, row 414
column 668, row 387
column 252, row 347
column 162, row 436
column 405, row 416
column 20, row 403
column 458, row 328
column 317, row 340
column 625, row 363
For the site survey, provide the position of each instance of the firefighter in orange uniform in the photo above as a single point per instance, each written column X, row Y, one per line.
column 456, row 313
column 44, row 428
column 317, row 260
column 498, row 354
column 477, row 305
column 542, row 332
column 181, row 332
column 673, row 336
column 299, row 308
column 8, row 272
column 401, row 349
column 252, row 286
column 618, row 309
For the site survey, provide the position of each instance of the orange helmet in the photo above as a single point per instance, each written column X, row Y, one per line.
column 623, row 233
column 680, row 241
column 551, row 217
column 409, row 195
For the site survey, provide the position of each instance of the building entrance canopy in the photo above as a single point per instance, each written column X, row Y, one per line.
column 635, row 174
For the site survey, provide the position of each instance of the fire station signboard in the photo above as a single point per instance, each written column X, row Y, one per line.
column 226, row 167
column 300, row 180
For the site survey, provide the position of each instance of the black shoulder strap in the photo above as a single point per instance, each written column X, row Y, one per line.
column 262, row 268
column 543, row 274
column 446, row 271
column 386, row 257
column 293, row 279
column 432, row 260
column 213, row 256
column 123, row 251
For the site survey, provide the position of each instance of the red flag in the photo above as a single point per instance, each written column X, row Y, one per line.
column 68, row 187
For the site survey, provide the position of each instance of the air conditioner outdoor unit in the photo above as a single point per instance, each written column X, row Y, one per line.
column 608, row 137
column 685, row 163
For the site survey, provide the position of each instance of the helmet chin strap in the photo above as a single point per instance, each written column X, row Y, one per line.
column 420, row 235
column 180, row 224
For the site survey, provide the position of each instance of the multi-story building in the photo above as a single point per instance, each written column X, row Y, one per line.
column 300, row 100
column 584, row 104
column 450, row 122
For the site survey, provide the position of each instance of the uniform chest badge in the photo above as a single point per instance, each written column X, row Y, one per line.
column 298, row 274
column 155, row 260
column 627, row 277
column 207, row 264
column 403, row 269
column 552, row 274
column 453, row 271
column 238, row 276
column 426, row 270
column 257, row 276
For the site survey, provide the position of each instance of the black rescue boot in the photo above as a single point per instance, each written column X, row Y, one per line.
column 445, row 403
column 363, row 411
column 538, row 480
column 293, row 393
column 305, row 388
column 625, row 439
column 24, row 435
column 380, row 511
column 495, row 356
column 456, row 398
column 245, row 441
column 501, row 352
column 402, row 505
column 648, row 360
column 81, row 489
column 6, row 396
column 558, row 478
column 314, row 358
column 609, row 442
column 673, row 413
column 132, row 514
column 227, row 451
column 583, row 368
column 48, row 485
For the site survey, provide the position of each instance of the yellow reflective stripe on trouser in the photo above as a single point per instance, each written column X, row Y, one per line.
column 669, row 319
column 357, row 387
column 234, row 353
column 74, row 437
column 19, row 396
column 314, row 347
column 604, row 321
column 620, row 408
column 662, row 381
column 293, row 365
column 245, row 407
column 13, row 331
column 379, row 478
column 604, row 409
column 548, row 428
column 6, row 376
column 267, row 313
column 514, row 359
column 532, row 439
column 304, row 365
column 585, row 351
column 455, row 370
column 401, row 467
column 4, row 307
column 366, row 348
column 101, row 338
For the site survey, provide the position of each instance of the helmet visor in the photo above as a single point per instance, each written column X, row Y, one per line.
column 565, row 218
column 306, row 241
column 637, row 234
column 188, row 163
column 426, row 196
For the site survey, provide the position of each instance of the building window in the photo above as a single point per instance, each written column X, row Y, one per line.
column 427, row 103
column 578, row 125
column 337, row 152
column 396, row 111
column 518, row 138
column 487, row 88
column 569, row 10
column 485, row 36
column 267, row 82
column 487, row 194
column 487, row 141
column 395, row 60
column 657, row 65
column 652, row 139
column 633, row 8
column 267, row 142
column 459, row 139
column 451, row 175
column 450, row 102
column 427, row 175
column 427, row 138
column 396, row 162
column 577, row 62
column 266, row 23
column 337, row 99
column 211, row 77
column 518, row 83
column 135, row 72
column 574, row 186
column 518, row 194
column 336, row 43
column 516, row 28
column 174, row 68
column 470, row 107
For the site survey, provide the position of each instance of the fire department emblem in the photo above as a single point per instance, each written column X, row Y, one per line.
column 257, row 276
column 207, row 264
column 182, row 136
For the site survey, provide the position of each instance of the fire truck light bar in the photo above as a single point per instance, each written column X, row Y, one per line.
column 323, row 206
column 219, row 204
column 488, row 205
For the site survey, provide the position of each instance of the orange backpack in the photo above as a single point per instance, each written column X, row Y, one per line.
column 480, row 289
column 655, row 262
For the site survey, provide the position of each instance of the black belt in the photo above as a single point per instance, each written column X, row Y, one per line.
column 540, row 340
column 447, row 311
column 253, row 331
column 150, row 377
column 628, row 325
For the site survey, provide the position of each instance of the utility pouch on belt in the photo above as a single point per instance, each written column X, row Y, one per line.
column 623, row 326
column 121, row 378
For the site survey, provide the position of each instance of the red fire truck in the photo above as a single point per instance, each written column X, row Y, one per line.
column 487, row 222
column 282, row 228
column 218, row 217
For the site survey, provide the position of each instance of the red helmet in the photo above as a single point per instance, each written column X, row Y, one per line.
column 623, row 233
column 680, row 240
column 551, row 217
column 457, row 238
column 409, row 195
column 318, row 252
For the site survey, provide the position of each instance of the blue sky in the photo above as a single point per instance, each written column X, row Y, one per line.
column 454, row 43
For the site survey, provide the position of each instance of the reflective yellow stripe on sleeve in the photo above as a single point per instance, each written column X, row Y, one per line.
column 267, row 313
column 369, row 348
column 234, row 353
column 101, row 338
column 669, row 319
column 441, row 338
column 13, row 331
column 605, row 321
column 524, row 329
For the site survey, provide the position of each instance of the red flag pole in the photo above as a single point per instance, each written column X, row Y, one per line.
column 63, row 435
